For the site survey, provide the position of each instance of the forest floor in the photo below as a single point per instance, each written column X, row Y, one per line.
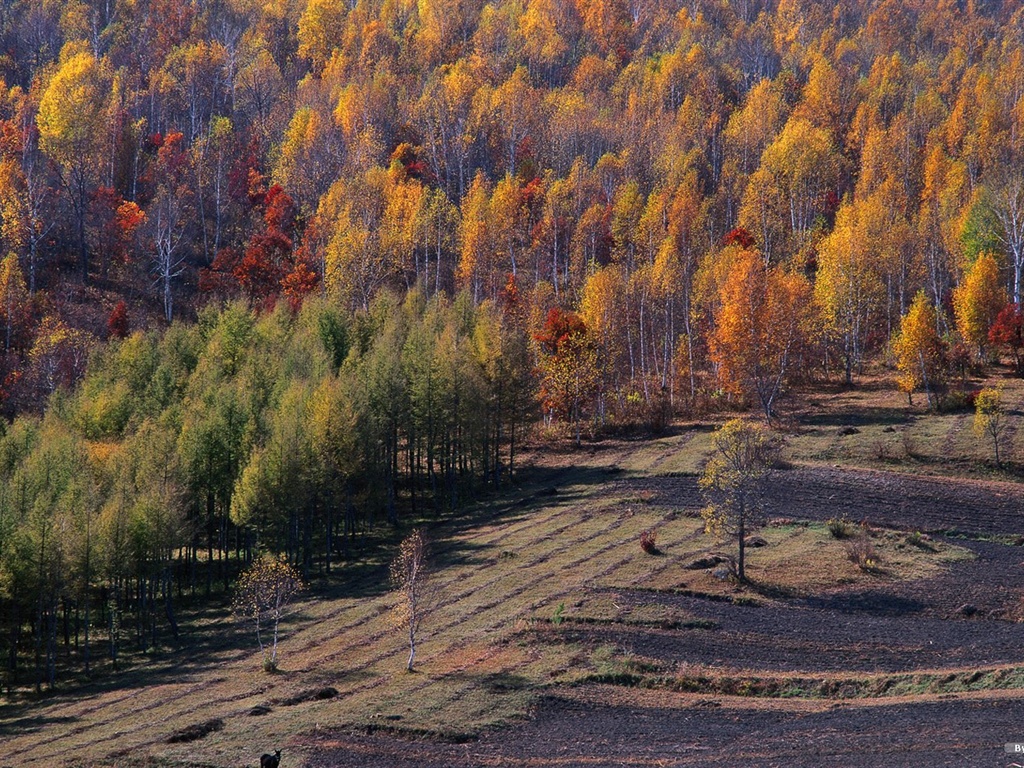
column 554, row 639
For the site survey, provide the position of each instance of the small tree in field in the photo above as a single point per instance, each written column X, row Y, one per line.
column 733, row 481
column 265, row 591
column 411, row 579
column 989, row 416
column 920, row 354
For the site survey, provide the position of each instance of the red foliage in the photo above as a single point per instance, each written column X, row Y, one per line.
column 558, row 328
column 280, row 212
column 245, row 166
column 219, row 279
column 649, row 542
column 411, row 159
column 268, row 263
column 12, row 139
column 510, row 295
column 264, row 264
column 740, row 237
column 299, row 283
column 112, row 224
column 533, row 192
column 1008, row 331
column 117, row 323
column 172, row 158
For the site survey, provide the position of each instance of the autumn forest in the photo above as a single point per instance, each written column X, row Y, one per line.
column 277, row 274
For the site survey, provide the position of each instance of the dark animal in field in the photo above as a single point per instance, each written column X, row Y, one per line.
column 270, row 761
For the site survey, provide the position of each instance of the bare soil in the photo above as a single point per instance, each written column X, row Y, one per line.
column 964, row 618
column 708, row 732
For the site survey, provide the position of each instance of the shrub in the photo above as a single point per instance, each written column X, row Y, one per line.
column 841, row 528
column 860, row 551
column 921, row 541
column 960, row 400
column 649, row 542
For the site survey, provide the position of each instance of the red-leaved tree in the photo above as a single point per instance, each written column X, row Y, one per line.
column 1008, row 332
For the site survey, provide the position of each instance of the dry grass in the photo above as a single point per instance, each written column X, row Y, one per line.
column 892, row 435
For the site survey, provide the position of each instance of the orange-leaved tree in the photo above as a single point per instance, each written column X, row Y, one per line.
column 761, row 318
column 569, row 368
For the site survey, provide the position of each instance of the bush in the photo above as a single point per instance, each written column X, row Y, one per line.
column 841, row 528
column 860, row 551
column 959, row 401
column 649, row 542
column 921, row 541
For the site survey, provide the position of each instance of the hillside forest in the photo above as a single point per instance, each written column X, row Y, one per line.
column 277, row 272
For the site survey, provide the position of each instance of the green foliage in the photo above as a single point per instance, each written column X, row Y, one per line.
column 182, row 454
column 989, row 416
column 980, row 233
column 733, row 481
column 841, row 528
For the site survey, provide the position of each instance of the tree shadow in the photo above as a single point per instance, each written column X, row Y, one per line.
column 871, row 602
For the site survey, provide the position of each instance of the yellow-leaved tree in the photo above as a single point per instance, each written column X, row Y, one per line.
column 264, row 592
column 977, row 302
column 72, row 120
column 989, row 416
column 919, row 350
column 733, row 483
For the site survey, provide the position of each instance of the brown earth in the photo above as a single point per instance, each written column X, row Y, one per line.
column 894, row 627
column 695, row 731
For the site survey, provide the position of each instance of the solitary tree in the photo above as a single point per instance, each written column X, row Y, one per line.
column 411, row 579
column 920, row 355
column 733, row 481
column 988, row 416
column 264, row 592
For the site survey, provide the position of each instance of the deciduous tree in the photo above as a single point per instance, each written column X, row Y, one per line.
column 920, row 353
column 989, row 416
column 733, row 482
column 762, row 317
column 1008, row 331
column 72, row 124
column 263, row 595
column 977, row 302
column 411, row 579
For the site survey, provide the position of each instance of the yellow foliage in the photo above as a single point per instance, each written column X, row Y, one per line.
column 978, row 300
column 918, row 349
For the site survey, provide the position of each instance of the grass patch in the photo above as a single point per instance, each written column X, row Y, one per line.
column 628, row 673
